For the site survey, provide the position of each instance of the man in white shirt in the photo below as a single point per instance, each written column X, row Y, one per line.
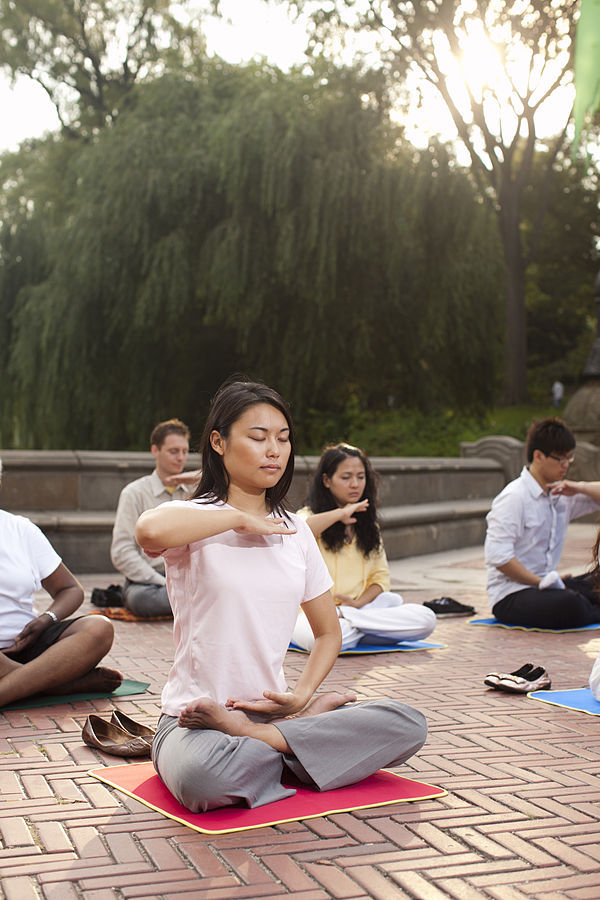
column 145, row 592
column 526, row 530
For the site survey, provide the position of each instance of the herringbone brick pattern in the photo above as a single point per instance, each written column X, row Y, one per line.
column 521, row 819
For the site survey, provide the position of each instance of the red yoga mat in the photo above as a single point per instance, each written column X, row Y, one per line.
column 140, row 780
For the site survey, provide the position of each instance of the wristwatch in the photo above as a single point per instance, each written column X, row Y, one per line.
column 48, row 612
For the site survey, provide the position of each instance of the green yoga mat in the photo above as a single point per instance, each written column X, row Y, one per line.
column 126, row 688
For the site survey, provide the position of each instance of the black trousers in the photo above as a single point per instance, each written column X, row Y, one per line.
column 577, row 605
column 46, row 639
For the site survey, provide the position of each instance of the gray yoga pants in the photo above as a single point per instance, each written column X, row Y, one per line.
column 146, row 599
column 206, row 769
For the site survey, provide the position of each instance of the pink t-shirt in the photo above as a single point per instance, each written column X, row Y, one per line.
column 235, row 599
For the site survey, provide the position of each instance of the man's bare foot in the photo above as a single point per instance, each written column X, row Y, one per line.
column 325, row 703
column 98, row 679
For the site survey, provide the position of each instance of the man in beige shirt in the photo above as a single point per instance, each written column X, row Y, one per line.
column 145, row 592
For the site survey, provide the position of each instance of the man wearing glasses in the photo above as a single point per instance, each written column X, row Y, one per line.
column 526, row 530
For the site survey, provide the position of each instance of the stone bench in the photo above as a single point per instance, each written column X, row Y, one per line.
column 82, row 539
column 433, row 527
column 427, row 504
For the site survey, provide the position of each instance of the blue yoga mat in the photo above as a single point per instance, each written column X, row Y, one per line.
column 365, row 647
column 494, row 622
column 580, row 700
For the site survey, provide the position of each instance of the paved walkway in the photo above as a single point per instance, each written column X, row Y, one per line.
column 521, row 819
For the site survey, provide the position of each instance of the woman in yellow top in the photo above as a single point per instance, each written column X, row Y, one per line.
column 342, row 514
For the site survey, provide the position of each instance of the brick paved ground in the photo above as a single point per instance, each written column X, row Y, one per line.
column 521, row 818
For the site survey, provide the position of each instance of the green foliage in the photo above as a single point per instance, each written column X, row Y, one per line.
column 560, row 308
column 239, row 219
column 412, row 432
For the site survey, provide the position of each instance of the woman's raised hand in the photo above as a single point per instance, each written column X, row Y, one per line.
column 253, row 524
column 350, row 509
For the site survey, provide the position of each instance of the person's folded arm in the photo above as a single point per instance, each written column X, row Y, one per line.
column 516, row 571
column 175, row 525
column 369, row 593
column 377, row 581
column 323, row 620
column 504, row 531
column 127, row 559
column 500, row 552
column 67, row 597
column 125, row 553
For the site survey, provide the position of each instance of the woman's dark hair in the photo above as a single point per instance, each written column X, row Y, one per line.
column 320, row 499
column 230, row 403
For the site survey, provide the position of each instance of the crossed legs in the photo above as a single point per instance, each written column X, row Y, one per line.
column 206, row 767
column 146, row 600
column 67, row 666
column 575, row 606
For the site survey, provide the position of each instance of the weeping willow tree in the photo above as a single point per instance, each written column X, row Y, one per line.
column 238, row 219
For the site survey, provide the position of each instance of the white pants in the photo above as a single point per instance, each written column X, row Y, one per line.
column 386, row 619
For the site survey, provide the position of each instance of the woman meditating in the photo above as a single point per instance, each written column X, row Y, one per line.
column 238, row 568
column 50, row 653
column 342, row 514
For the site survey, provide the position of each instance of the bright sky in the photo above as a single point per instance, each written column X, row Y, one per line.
column 258, row 31
column 262, row 30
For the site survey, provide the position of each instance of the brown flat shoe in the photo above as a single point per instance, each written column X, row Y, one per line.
column 134, row 728
column 112, row 738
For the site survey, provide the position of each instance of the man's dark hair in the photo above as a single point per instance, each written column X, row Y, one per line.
column 172, row 426
column 229, row 404
column 550, row 436
column 320, row 499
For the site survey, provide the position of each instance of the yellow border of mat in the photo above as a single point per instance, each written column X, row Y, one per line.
column 392, row 649
column 561, row 705
column 485, row 624
column 440, row 792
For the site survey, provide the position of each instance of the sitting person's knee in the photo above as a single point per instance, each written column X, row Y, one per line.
column 199, row 786
column 107, row 634
column 100, row 630
column 410, row 721
column 147, row 600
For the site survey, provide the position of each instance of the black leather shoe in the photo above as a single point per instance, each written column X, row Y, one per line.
column 447, row 606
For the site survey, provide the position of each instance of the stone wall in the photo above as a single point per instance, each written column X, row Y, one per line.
column 427, row 504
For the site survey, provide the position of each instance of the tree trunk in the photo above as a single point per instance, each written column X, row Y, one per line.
column 515, row 339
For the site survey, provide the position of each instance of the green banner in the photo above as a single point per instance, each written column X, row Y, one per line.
column 587, row 66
